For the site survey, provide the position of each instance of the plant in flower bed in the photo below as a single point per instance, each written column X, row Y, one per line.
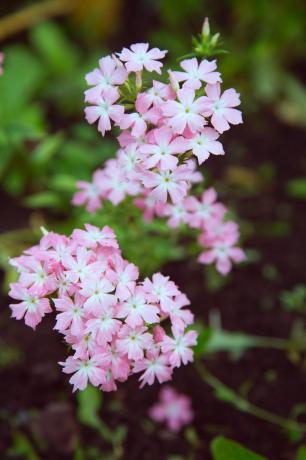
column 114, row 324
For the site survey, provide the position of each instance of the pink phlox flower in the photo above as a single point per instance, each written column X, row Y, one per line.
column 85, row 370
column 31, row 307
column 164, row 149
column 137, row 310
column 72, row 314
column 139, row 120
column 186, row 112
column 217, row 229
column 180, row 317
column 200, row 212
column 196, row 73
column 97, row 292
column 161, row 290
column 116, row 185
column 84, row 345
column 178, row 348
column 173, row 408
column 177, row 213
column 120, row 365
column 103, row 326
column 129, row 159
column 223, row 253
column 93, row 236
column 159, row 93
column 155, row 366
column 37, row 275
column 139, row 57
column 150, row 206
column 204, row 143
column 170, row 182
column 104, row 109
column 220, row 107
column 133, row 341
column 126, row 138
column 90, row 193
column 77, row 267
column 109, row 74
column 124, row 276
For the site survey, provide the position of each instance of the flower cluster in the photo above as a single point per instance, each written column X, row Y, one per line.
column 166, row 130
column 173, row 408
column 110, row 319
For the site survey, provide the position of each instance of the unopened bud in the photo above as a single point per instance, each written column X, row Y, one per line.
column 158, row 333
column 205, row 28
column 215, row 39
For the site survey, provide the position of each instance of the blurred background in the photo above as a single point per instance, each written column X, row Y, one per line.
column 45, row 146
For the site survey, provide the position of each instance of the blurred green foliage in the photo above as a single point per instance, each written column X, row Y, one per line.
column 226, row 449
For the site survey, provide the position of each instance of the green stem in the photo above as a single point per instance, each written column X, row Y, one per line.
column 243, row 404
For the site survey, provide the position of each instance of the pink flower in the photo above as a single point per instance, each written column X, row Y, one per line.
column 116, row 185
column 186, row 113
column 221, row 107
column 97, row 293
column 103, row 326
column 138, row 120
column 159, row 93
column 38, row 277
column 105, row 110
column 204, row 143
column 155, row 366
column 109, row 74
column 90, row 193
column 138, row 58
column 133, row 342
column 124, row 277
column 196, row 73
column 72, row 315
column 31, row 307
column 167, row 182
column 87, row 370
column 179, row 347
column 223, row 253
column 180, row 317
column 202, row 211
column 164, row 149
column 173, row 408
column 120, row 366
column 77, row 267
column 136, row 310
column 161, row 290
column 93, row 236
column 177, row 214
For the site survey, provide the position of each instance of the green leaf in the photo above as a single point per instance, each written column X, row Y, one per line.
column 45, row 151
column 301, row 453
column 297, row 187
column 205, row 334
column 89, row 404
column 55, row 49
column 23, row 75
column 22, row 447
column 43, row 200
column 226, row 449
